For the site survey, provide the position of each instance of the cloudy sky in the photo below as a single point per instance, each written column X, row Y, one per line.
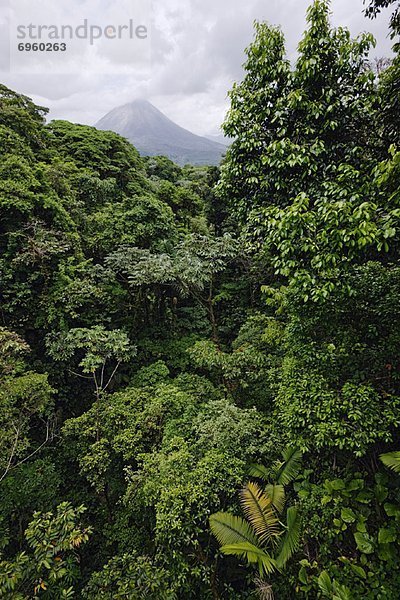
column 196, row 54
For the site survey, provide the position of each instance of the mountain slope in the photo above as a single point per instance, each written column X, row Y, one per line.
column 220, row 139
column 152, row 133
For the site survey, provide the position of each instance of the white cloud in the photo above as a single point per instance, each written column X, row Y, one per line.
column 197, row 53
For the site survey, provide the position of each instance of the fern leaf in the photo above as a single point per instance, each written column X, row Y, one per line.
column 259, row 511
column 253, row 554
column 276, row 493
column 391, row 460
column 291, row 539
column 229, row 529
column 287, row 470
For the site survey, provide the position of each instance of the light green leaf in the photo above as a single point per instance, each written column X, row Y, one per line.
column 363, row 543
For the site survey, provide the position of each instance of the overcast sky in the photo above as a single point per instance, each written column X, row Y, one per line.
column 197, row 51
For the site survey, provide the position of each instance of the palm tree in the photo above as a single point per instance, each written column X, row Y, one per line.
column 261, row 537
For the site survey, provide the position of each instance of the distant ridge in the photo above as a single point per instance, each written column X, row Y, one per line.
column 220, row 138
column 152, row 133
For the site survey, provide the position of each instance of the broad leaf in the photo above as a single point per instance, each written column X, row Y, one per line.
column 325, row 584
column 363, row 542
column 347, row 515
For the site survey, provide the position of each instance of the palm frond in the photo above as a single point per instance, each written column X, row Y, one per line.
column 259, row 511
column 253, row 554
column 259, row 471
column 291, row 539
column 229, row 529
column 276, row 492
column 391, row 460
column 286, row 471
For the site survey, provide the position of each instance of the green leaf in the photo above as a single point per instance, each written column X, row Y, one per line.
column 341, row 592
column 386, row 535
column 363, row 543
column 355, row 484
column 291, row 540
column 303, row 575
column 364, row 497
column 288, row 469
column 347, row 515
column 359, row 571
column 337, row 523
column 255, row 470
column 337, row 484
column 391, row 460
column 325, row 584
column 361, row 526
column 392, row 510
column 253, row 554
column 276, row 493
column 381, row 493
column 387, row 552
column 229, row 529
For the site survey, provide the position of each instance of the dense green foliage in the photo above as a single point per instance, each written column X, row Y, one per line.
column 199, row 370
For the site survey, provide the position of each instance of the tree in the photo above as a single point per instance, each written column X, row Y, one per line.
column 296, row 118
column 99, row 348
column 262, row 532
column 390, row 83
column 265, row 314
column 299, row 171
column 251, row 123
column 22, row 116
column 130, row 577
column 52, row 566
column 25, row 396
column 190, row 269
column 375, row 7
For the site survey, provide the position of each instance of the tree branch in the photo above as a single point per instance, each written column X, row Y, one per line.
column 8, row 467
column 111, row 376
column 49, row 436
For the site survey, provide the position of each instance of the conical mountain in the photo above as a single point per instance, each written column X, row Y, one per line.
column 152, row 133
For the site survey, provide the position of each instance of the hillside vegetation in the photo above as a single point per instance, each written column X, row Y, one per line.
column 200, row 369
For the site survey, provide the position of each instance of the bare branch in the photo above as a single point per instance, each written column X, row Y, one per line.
column 102, row 373
column 8, row 467
column 79, row 375
column 111, row 376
